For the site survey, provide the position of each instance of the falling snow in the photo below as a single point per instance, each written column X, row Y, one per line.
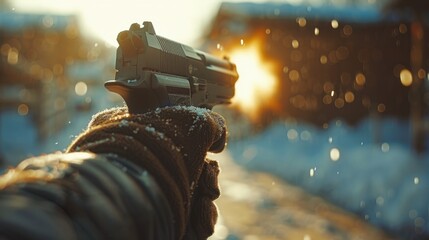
column 380, row 180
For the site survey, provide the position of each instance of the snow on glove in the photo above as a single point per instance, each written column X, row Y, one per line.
column 171, row 143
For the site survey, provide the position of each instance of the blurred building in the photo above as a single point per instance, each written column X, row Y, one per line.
column 47, row 66
column 331, row 63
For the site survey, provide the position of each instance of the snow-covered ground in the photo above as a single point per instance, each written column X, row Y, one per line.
column 369, row 169
column 260, row 206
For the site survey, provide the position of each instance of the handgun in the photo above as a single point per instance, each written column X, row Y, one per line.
column 153, row 71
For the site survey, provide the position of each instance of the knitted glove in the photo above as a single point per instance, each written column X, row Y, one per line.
column 170, row 143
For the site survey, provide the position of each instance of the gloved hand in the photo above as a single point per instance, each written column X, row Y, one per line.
column 171, row 143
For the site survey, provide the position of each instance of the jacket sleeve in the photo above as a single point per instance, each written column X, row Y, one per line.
column 83, row 196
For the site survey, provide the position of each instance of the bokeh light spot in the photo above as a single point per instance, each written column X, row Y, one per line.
column 81, row 88
column 334, row 154
column 23, row 109
column 301, row 21
column 334, row 24
column 360, row 79
column 406, row 77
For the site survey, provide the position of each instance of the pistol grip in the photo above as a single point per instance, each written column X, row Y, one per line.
column 139, row 99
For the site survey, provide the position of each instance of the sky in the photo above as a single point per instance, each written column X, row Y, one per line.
column 184, row 21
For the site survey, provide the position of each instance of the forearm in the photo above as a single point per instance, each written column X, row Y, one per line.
column 127, row 176
column 83, row 196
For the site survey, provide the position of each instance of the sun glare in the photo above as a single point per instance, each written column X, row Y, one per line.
column 257, row 82
column 105, row 19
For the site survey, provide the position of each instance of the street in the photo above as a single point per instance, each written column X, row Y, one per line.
column 257, row 206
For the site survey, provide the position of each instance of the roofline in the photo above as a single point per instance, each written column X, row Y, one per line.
column 275, row 10
column 13, row 21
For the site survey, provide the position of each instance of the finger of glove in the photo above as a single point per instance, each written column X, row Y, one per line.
column 194, row 120
column 208, row 185
column 203, row 218
column 107, row 115
column 194, row 130
column 201, row 127
column 204, row 215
